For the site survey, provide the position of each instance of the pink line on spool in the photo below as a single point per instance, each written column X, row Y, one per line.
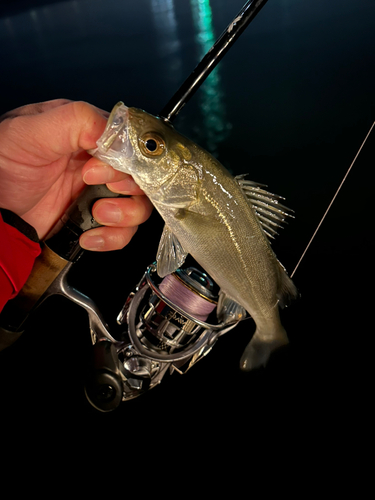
column 186, row 299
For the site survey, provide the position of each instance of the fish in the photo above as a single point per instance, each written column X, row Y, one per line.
column 224, row 222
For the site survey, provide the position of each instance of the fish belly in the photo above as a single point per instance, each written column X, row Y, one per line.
column 236, row 254
column 224, row 236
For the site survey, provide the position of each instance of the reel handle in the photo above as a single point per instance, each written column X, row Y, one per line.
column 103, row 385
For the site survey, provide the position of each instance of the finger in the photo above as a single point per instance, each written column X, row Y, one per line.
column 96, row 172
column 101, row 111
column 60, row 130
column 126, row 186
column 34, row 109
column 104, row 239
column 86, row 124
column 122, row 212
column 42, row 107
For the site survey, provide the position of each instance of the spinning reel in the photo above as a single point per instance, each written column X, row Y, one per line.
column 165, row 325
column 164, row 329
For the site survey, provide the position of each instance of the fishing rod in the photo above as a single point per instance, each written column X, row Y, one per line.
column 212, row 58
column 62, row 244
column 154, row 333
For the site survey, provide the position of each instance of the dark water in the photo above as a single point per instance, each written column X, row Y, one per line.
column 290, row 104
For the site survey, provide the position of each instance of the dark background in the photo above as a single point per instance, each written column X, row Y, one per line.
column 290, row 104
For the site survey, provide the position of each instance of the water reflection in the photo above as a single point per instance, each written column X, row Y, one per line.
column 301, row 87
column 169, row 45
column 164, row 17
column 215, row 127
column 40, row 41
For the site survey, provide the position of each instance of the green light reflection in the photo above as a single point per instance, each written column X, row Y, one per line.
column 211, row 95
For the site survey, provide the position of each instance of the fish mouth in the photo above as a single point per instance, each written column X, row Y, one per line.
column 114, row 145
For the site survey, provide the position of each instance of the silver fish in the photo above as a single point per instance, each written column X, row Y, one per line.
column 224, row 222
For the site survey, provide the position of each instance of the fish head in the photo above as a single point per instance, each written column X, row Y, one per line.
column 141, row 145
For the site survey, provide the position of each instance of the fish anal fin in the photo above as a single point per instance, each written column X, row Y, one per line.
column 228, row 310
column 170, row 255
column 287, row 291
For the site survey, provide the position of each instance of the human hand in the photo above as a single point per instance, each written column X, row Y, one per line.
column 44, row 166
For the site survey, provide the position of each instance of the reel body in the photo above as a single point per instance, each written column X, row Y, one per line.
column 165, row 331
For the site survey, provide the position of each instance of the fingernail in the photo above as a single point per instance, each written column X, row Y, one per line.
column 126, row 186
column 108, row 213
column 98, row 175
column 92, row 242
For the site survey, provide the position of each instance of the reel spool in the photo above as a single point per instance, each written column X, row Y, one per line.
column 167, row 319
column 167, row 330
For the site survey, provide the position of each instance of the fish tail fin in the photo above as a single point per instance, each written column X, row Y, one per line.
column 263, row 343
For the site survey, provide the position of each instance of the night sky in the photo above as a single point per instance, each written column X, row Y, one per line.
column 290, row 104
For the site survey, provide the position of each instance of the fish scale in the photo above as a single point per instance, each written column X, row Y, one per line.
column 222, row 221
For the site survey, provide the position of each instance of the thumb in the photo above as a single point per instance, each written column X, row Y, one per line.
column 34, row 109
column 72, row 126
column 59, row 128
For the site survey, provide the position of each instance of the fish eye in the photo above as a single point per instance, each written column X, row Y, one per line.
column 151, row 144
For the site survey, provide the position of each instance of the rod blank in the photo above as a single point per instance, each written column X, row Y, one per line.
column 211, row 59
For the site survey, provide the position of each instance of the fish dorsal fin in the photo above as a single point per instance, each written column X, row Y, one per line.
column 270, row 212
column 228, row 310
column 170, row 255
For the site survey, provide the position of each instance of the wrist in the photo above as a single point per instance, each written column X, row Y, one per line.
column 17, row 222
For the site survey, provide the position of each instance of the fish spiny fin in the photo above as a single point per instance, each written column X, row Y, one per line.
column 270, row 212
column 287, row 290
column 170, row 255
column 228, row 310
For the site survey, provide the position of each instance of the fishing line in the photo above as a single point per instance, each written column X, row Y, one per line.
column 185, row 298
column 333, row 199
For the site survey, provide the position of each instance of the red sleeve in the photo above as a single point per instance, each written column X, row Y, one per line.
column 17, row 256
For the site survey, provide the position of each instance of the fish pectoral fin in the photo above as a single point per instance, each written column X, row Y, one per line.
column 228, row 310
column 270, row 212
column 170, row 255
